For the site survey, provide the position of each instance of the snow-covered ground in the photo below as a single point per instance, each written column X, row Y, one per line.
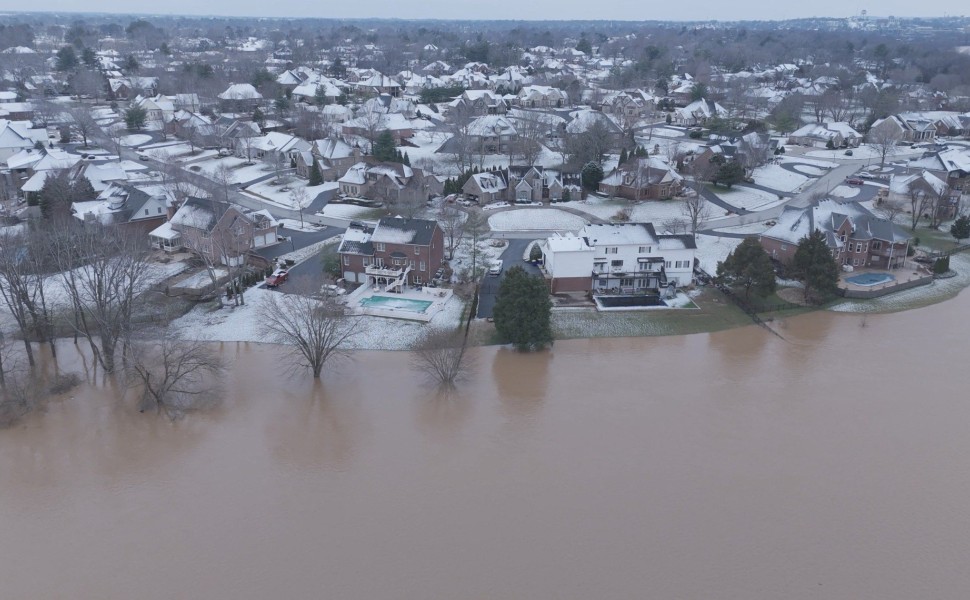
column 756, row 227
column 749, row 198
column 713, row 249
column 136, row 139
column 864, row 152
column 827, row 164
column 919, row 296
column 778, row 178
column 845, row 191
column 527, row 219
column 346, row 211
column 281, row 193
column 294, row 225
column 241, row 173
column 809, row 170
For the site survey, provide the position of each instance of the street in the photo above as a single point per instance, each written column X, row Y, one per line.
column 488, row 289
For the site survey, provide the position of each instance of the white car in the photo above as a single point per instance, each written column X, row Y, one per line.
column 496, row 269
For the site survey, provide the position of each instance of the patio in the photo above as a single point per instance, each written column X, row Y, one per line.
column 910, row 275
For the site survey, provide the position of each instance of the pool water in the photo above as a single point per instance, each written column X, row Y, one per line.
column 392, row 303
column 867, row 279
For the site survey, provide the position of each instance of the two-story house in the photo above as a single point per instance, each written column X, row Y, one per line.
column 491, row 134
column 622, row 258
column 220, row 232
column 393, row 253
column 905, row 128
column 856, row 236
column 642, row 179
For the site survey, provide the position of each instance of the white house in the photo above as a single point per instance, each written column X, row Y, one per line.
column 619, row 258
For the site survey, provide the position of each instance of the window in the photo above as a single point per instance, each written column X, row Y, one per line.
column 616, row 263
column 784, row 247
column 417, row 250
column 609, row 250
column 379, row 246
column 646, row 249
column 667, row 264
column 842, row 238
column 877, row 245
column 858, row 247
column 855, row 262
column 626, row 282
column 346, row 260
column 421, row 266
column 159, row 210
column 146, row 212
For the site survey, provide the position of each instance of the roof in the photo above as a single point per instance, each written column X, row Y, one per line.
column 828, row 216
column 398, row 230
column 567, row 243
column 619, row 234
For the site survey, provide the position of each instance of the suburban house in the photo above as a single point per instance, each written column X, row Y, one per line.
column 856, row 237
column 273, row 147
column 390, row 182
column 698, row 112
column 373, row 124
column 124, row 205
column 332, row 155
column 622, row 258
column 492, row 134
column 750, row 151
column 379, row 84
column 479, row 102
column 222, row 233
column 642, row 179
column 240, row 97
column 821, row 135
column 942, row 198
column 951, row 165
column 157, row 108
column 519, row 184
column 906, row 129
column 542, row 96
column 395, row 252
column 16, row 136
column 628, row 107
column 583, row 121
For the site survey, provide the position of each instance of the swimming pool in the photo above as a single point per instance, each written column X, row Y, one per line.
column 869, row 279
column 392, row 303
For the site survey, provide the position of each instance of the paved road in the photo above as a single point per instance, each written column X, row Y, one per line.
column 488, row 289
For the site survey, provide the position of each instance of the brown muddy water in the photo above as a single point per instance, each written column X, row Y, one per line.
column 735, row 465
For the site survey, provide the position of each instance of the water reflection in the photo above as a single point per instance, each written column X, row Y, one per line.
column 522, row 379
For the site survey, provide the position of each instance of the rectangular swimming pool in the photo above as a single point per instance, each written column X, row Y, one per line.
column 392, row 303
column 630, row 301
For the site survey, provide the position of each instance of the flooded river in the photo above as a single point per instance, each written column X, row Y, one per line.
column 832, row 464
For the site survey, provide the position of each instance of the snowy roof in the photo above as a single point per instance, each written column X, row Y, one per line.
column 397, row 230
column 490, row 125
column 618, row 234
column 567, row 243
column 828, row 216
column 240, row 91
column 165, row 232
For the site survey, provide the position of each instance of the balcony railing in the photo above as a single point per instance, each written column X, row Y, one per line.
column 383, row 271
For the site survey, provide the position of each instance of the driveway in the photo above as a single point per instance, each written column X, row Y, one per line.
column 488, row 289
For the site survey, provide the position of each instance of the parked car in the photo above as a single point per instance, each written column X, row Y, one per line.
column 143, row 156
column 278, row 277
column 854, row 181
column 848, row 152
column 496, row 269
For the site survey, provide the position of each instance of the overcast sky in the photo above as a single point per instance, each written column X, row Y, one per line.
column 507, row 9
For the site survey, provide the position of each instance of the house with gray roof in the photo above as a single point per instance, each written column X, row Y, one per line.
column 856, row 237
column 394, row 253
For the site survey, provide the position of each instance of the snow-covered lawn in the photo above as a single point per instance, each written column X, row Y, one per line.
column 346, row 211
column 240, row 324
column 756, row 227
column 136, row 139
column 807, row 161
column 749, row 198
column 669, row 132
column 294, row 225
column 778, row 178
column 166, row 150
column 527, row 219
column 712, row 249
column 240, row 172
column 864, row 152
column 845, row 191
column 278, row 195
column 809, row 170
column 649, row 211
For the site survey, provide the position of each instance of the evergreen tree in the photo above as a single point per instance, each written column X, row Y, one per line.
column 320, row 96
column 82, row 190
column 258, row 117
column 316, row 178
column 66, row 59
column 815, row 266
column 668, row 119
column 591, row 176
column 584, row 45
column 135, row 117
column 522, row 310
column 728, row 174
column 749, row 267
column 960, row 229
column 55, row 195
column 623, row 156
column 407, row 160
column 384, row 149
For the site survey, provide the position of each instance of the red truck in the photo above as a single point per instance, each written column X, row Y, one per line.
column 278, row 277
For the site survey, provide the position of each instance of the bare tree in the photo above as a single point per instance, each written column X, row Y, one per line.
column 442, row 357
column 23, row 286
column 884, row 140
column 174, row 375
column 919, row 202
column 891, row 209
column 116, row 135
column 84, row 125
column 300, row 199
column 452, row 223
column 697, row 212
column 315, row 329
column 104, row 270
column 476, row 226
column 531, row 127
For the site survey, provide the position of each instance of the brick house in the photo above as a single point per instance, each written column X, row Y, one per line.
column 222, row 232
column 642, row 179
column 856, row 237
column 518, row 184
column 393, row 253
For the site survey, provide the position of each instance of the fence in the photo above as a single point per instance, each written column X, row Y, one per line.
column 886, row 289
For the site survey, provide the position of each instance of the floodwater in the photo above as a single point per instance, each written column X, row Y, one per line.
column 832, row 464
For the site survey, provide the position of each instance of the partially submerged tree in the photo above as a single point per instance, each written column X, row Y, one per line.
column 748, row 266
column 174, row 375
column 316, row 330
column 814, row 265
column 442, row 357
column 523, row 310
